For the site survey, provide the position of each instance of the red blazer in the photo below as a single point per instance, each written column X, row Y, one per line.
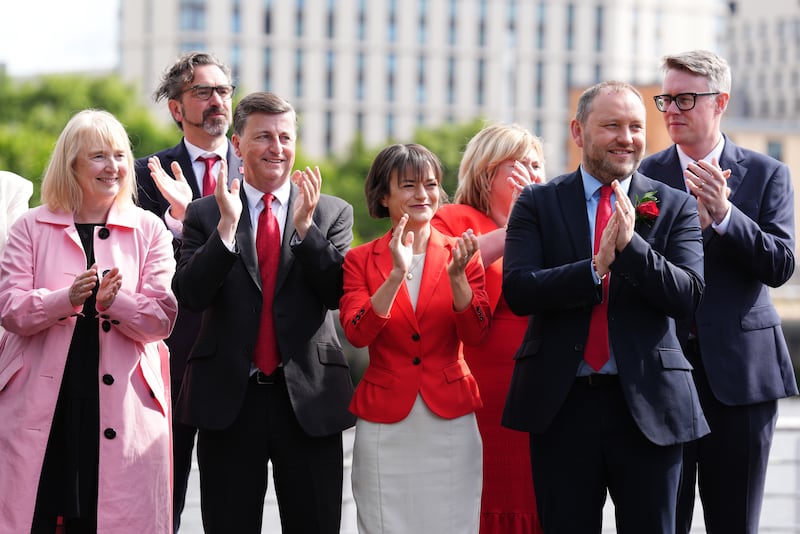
column 413, row 352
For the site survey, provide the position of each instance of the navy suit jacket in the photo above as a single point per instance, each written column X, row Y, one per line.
column 741, row 340
column 657, row 278
column 226, row 287
column 150, row 198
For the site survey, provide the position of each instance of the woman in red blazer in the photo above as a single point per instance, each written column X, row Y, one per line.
column 413, row 296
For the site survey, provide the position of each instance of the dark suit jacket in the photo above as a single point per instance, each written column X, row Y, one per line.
column 741, row 340
column 657, row 277
column 150, row 198
column 226, row 287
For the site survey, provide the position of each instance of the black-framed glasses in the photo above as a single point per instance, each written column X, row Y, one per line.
column 204, row 92
column 684, row 101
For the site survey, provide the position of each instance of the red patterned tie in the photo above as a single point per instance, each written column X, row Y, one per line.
column 597, row 352
column 209, row 182
column 268, row 245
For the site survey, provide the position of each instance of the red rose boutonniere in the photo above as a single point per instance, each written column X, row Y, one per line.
column 647, row 207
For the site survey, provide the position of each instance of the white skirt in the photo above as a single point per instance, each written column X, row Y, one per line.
column 422, row 475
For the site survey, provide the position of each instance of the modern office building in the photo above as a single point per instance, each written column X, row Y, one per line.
column 382, row 68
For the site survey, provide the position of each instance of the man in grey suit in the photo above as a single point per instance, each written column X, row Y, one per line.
column 735, row 342
column 600, row 382
column 198, row 90
column 248, row 414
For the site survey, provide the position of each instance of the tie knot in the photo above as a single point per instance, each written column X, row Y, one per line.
column 209, row 160
column 268, row 198
column 605, row 192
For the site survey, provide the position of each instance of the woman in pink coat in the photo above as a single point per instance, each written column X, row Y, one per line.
column 85, row 300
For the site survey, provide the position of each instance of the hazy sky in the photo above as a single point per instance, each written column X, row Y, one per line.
column 38, row 36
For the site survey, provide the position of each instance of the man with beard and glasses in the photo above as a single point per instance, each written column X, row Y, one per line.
column 198, row 90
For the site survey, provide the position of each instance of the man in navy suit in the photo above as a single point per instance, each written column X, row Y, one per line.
column 735, row 342
column 616, row 423
column 198, row 90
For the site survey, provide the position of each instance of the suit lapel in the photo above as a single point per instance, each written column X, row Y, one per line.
column 572, row 207
column 181, row 155
column 382, row 259
column 245, row 242
column 437, row 255
column 287, row 258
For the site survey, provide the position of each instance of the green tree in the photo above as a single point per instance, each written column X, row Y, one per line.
column 35, row 111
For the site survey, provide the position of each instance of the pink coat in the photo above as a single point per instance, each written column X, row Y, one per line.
column 43, row 255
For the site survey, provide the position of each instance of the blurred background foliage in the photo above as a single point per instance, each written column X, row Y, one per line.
column 34, row 112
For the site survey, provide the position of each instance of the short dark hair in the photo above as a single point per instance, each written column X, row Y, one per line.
column 395, row 162
column 586, row 99
column 259, row 102
column 181, row 73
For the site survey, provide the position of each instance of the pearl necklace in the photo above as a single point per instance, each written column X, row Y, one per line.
column 416, row 263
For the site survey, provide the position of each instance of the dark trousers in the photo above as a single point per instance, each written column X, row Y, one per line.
column 307, row 471
column 182, row 449
column 592, row 446
column 729, row 464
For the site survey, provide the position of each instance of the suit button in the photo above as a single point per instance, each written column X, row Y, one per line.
column 106, row 326
column 110, row 433
column 114, row 321
column 104, row 316
column 415, row 337
column 578, row 348
column 417, row 360
column 103, row 233
column 108, row 380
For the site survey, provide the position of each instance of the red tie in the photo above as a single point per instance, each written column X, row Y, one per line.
column 596, row 353
column 268, row 245
column 209, row 182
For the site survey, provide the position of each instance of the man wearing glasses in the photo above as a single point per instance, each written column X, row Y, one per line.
column 198, row 90
column 735, row 343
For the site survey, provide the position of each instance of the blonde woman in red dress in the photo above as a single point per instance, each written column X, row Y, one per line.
column 498, row 162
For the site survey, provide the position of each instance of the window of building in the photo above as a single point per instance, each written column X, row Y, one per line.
column 191, row 46
column 330, row 20
column 298, row 73
column 422, row 22
column 192, row 15
column 391, row 30
column 299, row 21
column 267, row 17
column 328, row 132
column 598, row 29
column 360, row 76
column 541, row 25
column 267, row 69
column 570, row 29
column 391, row 67
column 480, row 83
column 236, row 61
column 451, row 23
column 361, row 27
column 390, row 126
column 421, row 97
column 775, row 149
column 482, row 23
column 330, row 69
column 539, row 92
column 451, row 80
column 236, row 17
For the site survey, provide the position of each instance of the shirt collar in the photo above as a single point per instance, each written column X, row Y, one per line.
column 716, row 152
column 254, row 196
column 195, row 151
column 591, row 184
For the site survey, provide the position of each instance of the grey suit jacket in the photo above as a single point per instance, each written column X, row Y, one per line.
column 226, row 287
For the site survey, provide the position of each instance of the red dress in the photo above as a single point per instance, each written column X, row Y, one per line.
column 508, row 505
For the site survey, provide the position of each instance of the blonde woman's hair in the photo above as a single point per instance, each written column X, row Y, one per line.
column 60, row 189
column 484, row 153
